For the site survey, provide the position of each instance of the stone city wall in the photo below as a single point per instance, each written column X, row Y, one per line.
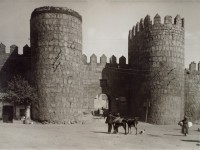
column 12, row 64
column 116, row 77
column 118, row 85
column 92, row 73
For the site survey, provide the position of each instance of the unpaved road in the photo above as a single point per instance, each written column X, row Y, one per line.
column 93, row 136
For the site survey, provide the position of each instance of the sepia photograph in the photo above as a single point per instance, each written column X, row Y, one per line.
column 100, row 74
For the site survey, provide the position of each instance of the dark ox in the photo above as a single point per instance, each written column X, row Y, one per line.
column 132, row 123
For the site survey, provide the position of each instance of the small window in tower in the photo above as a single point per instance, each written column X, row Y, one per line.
column 123, row 100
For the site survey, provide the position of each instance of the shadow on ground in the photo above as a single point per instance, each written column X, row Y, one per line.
column 198, row 141
column 173, row 134
column 103, row 132
column 100, row 132
column 154, row 135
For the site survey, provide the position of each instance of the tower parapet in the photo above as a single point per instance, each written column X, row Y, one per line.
column 63, row 11
column 158, row 52
column 113, row 60
column 103, row 59
column 192, row 66
column 2, row 48
column 122, row 61
column 13, row 49
column 26, row 50
column 93, row 59
column 84, row 59
column 157, row 19
column 139, row 27
column 147, row 21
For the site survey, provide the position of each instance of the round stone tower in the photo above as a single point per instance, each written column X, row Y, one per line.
column 56, row 44
column 192, row 93
column 156, row 55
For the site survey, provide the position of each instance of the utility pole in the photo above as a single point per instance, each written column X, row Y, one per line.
column 147, row 104
column 69, row 81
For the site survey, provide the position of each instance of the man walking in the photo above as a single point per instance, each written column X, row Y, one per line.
column 184, row 125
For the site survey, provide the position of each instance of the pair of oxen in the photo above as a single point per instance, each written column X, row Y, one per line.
column 117, row 122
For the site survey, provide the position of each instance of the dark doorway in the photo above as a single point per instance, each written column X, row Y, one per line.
column 8, row 114
column 22, row 112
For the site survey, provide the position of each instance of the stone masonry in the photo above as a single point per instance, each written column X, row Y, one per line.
column 67, row 83
column 56, row 44
column 192, row 92
column 157, row 52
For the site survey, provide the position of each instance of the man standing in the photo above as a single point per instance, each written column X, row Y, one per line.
column 109, row 121
column 116, row 121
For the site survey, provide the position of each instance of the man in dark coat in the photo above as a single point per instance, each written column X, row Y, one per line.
column 109, row 121
column 184, row 125
column 117, row 119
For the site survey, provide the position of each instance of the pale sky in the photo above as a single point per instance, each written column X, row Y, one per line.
column 105, row 22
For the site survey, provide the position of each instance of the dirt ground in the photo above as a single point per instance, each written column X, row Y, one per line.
column 94, row 136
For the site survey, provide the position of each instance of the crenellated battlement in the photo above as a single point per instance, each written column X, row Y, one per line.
column 2, row 48
column 193, row 67
column 147, row 24
column 12, row 63
column 14, row 50
column 58, row 10
column 103, row 61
